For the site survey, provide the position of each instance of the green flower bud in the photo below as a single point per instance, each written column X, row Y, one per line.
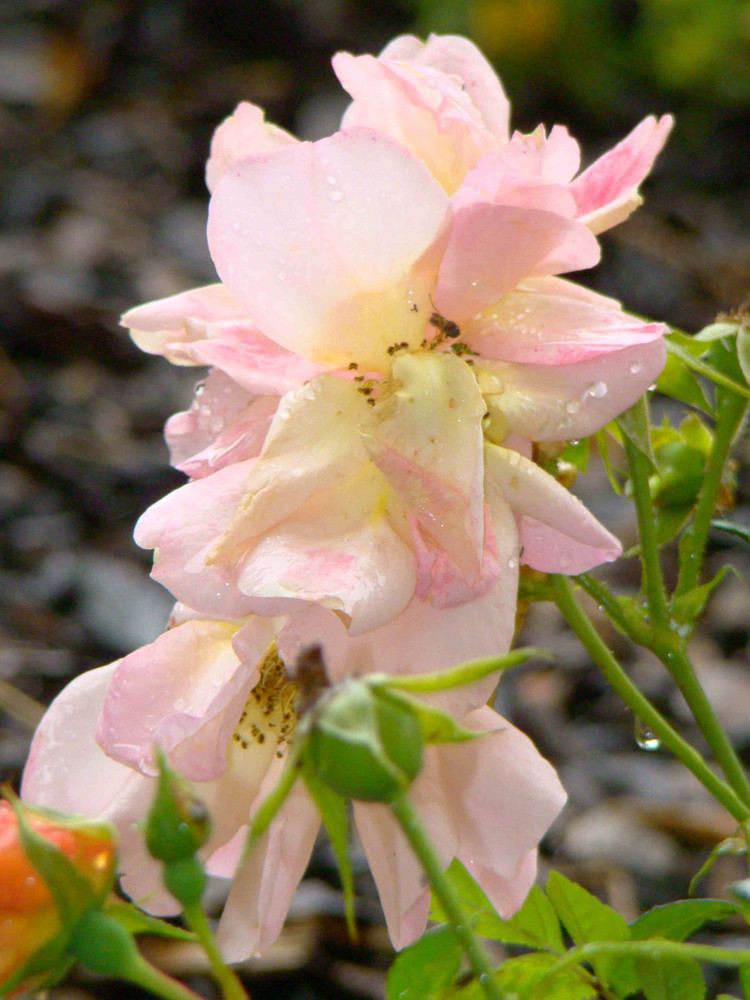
column 178, row 823
column 186, row 880
column 681, row 469
column 365, row 745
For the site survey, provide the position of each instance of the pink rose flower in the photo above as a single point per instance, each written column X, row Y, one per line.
column 389, row 336
column 214, row 694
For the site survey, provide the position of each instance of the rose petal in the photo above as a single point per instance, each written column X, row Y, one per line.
column 265, row 883
column 457, row 56
column 161, row 327
column 548, row 403
column 67, row 771
column 426, row 110
column 331, row 236
column 243, row 133
column 493, row 247
column 607, row 192
column 426, row 437
column 558, row 534
column 547, row 322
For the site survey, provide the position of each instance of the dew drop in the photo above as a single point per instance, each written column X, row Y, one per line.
column 635, row 367
column 572, row 406
column 336, row 195
column 30, row 881
column 645, row 738
column 597, row 390
column 513, row 562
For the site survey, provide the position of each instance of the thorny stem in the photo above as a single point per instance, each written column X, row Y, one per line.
column 603, row 657
column 230, row 985
column 415, row 833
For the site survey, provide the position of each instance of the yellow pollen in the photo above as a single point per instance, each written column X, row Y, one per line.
column 269, row 715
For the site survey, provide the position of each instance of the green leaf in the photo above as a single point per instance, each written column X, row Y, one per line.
column 715, row 331
column 743, row 351
column 678, row 381
column 634, row 424
column 534, row 925
column 436, row 726
column 677, row 921
column 714, row 374
column 587, row 919
column 733, row 529
column 332, row 808
column 744, row 975
column 138, row 922
column 72, row 893
column 525, row 977
column 426, row 967
column 671, row 978
column 689, row 606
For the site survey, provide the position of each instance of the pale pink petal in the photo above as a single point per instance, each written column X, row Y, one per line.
column 243, row 133
column 265, row 883
column 340, row 549
column 457, row 56
column 555, row 158
column 161, row 327
column 607, row 192
column 329, row 237
column 489, row 182
column 184, row 527
column 558, row 403
column 423, row 108
column 426, row 437
column 67, row 771
column 225, row 424
column 486, row 802
column 493, row 247
column 423, row 637
column 250, row 358
column 506, row 893
column 546, row 322
column 203, row 530
column 558, row 534
column 167, row 693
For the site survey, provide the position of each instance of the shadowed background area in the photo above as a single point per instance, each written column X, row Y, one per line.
column 106, row 113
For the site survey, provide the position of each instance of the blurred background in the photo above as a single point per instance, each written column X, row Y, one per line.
column 106, row 113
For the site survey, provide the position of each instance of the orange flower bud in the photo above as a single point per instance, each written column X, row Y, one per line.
column 29, row 916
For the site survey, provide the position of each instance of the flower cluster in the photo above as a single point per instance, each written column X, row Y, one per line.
column 389, row 337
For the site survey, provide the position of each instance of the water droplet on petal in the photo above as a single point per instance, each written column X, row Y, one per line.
column 635, row 367
column 572, row 406
column 645, row 738
column 336, row 195
column 180, row 705
column 513, row 562
column 597, row 390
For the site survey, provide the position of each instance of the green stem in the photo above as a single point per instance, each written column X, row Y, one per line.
column 681, row 669
column 693, row 541
column 148, row 977
column 653, row 582
column 230, row 985
column 604, row 659
column 415, row 833
column 655, row 949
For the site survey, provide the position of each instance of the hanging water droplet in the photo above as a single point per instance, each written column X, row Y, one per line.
column 645, row 738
